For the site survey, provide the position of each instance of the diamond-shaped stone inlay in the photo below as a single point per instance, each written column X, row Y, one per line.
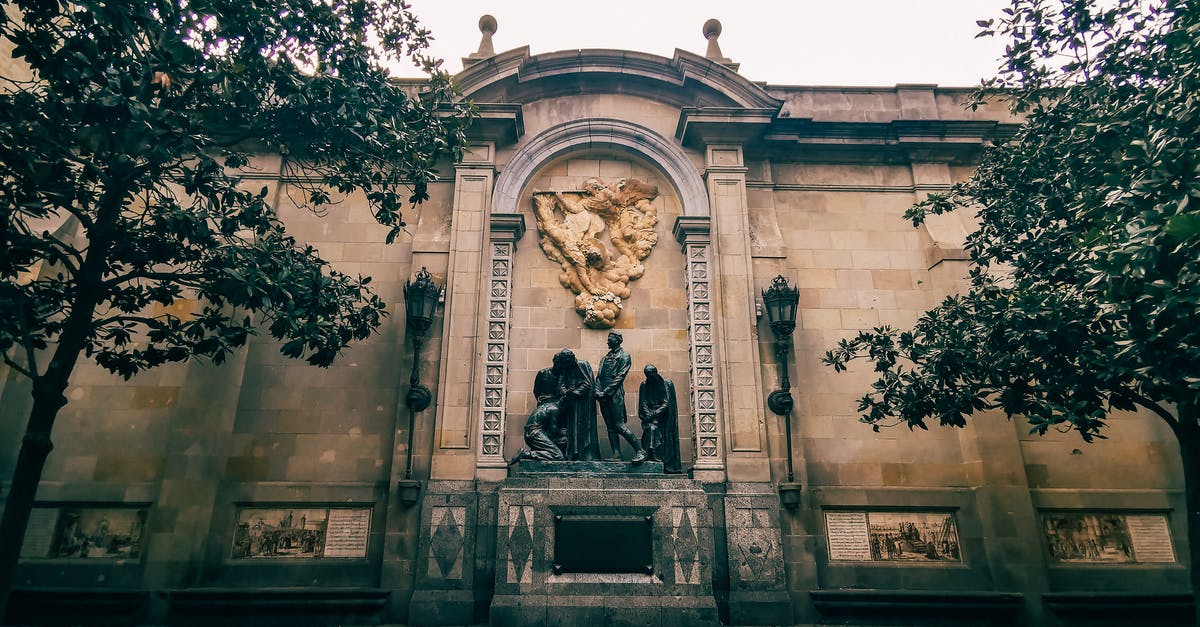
column 697, row 252
column 499, row 289
column 708, row 423
column 491, row 420
column 496, row 331
column 703, row 333
column 704, row 354
column 703, row 311
column 498, row 309
column 708, row 447
column 495, row 352
column 500, row 250
column 520, row 545
column 499, row 267
column 491, row 445
column 700, row 270
column 495, row 375
column 491, row 398
column 706, row 399
column 446, row 543
column 704, row 376
column 686, row 546
column 700, row 289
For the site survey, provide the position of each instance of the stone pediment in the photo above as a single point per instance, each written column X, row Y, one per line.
column 685, row 80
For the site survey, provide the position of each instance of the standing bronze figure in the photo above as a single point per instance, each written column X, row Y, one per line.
column 610, row 393
column 659, row 414
column 577, row 406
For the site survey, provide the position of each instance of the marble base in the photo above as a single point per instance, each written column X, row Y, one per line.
column 677, row 592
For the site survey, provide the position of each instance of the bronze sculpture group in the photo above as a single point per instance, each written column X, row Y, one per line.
column 563, row 426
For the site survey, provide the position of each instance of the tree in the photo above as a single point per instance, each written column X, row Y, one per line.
column 1085, row 270
column 121, row 192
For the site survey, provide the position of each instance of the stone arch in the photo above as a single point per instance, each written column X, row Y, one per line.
column 602, row 133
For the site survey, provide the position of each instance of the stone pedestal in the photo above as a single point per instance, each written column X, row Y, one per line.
column 757, row 581
column 675, row 588
column 448, row 590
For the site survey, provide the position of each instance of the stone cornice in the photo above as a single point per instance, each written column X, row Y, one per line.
column 722, row 83
column 499, row 122
column 956, row 141
column 692, row 230
column 700, row 126
column 970, row 131
column 507, row 226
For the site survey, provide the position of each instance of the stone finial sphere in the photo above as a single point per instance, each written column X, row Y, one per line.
column 487, row 24
column 712, row 28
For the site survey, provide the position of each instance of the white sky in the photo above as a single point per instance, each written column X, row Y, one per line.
column 782, row 42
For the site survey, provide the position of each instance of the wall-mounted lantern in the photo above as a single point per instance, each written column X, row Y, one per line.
column 780, row 301
column 421, row 299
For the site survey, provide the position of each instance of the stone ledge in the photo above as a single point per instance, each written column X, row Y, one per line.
column 664, row 611
column 1134, row 607
column 37, row 605
column 927, row 603
column 300, row 600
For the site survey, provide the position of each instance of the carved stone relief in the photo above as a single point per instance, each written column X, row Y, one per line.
column 571, row 225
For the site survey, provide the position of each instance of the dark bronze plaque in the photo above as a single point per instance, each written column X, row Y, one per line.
column 603, row 544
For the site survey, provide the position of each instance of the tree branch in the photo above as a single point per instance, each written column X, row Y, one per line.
column 27, row 342
column 1138, row 399
column 155, row 322
column 15, row 366
column 181, row 277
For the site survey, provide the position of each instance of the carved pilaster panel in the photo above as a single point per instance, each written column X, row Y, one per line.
column 703, row 379
column 491, row 425
column 506, row 229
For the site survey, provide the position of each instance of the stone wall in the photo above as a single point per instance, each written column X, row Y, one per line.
column 813, row 189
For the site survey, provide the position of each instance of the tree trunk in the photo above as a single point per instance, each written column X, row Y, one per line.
column 36, row 445
column 48, row 388
column 1188, row 433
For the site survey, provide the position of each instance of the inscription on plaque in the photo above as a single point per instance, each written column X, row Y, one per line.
column 347, row 533
column 603, row 544
column 848, row 539
column 39, row 535
column 1151, row 538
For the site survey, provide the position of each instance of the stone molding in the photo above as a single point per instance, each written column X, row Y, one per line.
column 601, row 133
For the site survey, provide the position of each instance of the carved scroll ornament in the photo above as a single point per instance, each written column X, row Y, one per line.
column 571, row 225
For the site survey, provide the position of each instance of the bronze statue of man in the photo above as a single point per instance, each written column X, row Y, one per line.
column 659, row 414
column 577, row 406
column 610, row 393
column 542, row 427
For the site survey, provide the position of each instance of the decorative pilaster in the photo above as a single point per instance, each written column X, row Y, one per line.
column 457, row 406
column 693, row 233
column 506, row 231
column 741, row 389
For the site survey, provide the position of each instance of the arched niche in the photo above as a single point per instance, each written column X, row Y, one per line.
column 653, row 322
column 602, row 134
